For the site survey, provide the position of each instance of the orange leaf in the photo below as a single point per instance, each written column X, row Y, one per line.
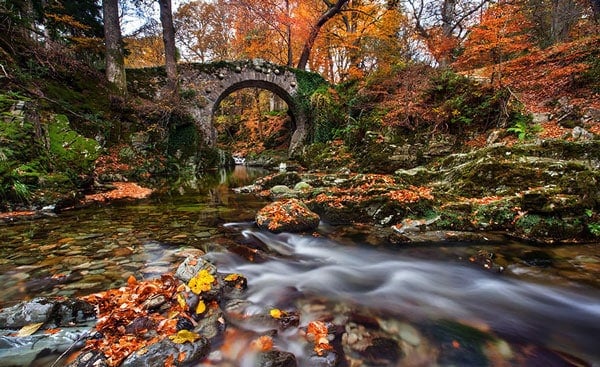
column 264, row 343
column 131, row 281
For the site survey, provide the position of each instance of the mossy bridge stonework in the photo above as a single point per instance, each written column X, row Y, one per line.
column 203, row 86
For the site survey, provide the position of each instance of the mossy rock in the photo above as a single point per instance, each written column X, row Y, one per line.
column 69, row 149
column 545, row 228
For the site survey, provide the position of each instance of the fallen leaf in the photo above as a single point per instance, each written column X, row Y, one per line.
column 183, row 336
column 263, row 343
column 131, row 281
column 201, row 307
column 276, row 313
column 202, row 282
column 29, row 329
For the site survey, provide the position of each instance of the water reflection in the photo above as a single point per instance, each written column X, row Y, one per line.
column 84, row 251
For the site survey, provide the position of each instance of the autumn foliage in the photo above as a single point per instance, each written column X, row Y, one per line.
column 126, row 314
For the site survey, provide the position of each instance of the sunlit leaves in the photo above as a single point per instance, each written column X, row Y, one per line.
column 317, row 332
column 276, row 313
column 184, row 336
column 201, row 308
column 502, row 33
column 202, row 282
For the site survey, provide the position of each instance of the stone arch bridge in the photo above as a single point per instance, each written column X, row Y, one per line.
column 204, row 86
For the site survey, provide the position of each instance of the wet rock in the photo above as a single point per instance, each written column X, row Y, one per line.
column 155, row 355
column 275, row 358
column 327, row 359
column 212, row 326
column 288, row 179
column 90, row 358
column 281, row 191
column 234, row 285
column 580, row 133
column 382, row 351
column 287, row 216
column 191, row 266
column 302, row 186
column 55, row 312
column 22, row 351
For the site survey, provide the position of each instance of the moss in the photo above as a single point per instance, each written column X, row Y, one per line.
column 547, row 227
column 69, row 150
column 183, row 142
column 495, row 216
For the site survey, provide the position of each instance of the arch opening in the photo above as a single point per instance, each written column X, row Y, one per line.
column 253, row 116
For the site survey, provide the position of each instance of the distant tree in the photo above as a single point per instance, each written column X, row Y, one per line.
column 166, row 20
column 363, row 38
column 553, row 19
column 595, row 5
column 115, row 64
column 333, row 8
column 168, row 35
column 206, row 37
column 263, row 29
column 503, row 32
column 442, row 24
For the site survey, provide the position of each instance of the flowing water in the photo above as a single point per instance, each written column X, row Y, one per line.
column 441, row 308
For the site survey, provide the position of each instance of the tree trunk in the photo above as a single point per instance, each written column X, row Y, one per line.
column 166, row 20
column 333, row 10
column 288, row 26
column 115, row 63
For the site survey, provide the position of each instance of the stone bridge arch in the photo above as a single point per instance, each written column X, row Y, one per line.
column 211, row 83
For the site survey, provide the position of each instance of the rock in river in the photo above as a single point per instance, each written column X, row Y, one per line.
column 287, row 216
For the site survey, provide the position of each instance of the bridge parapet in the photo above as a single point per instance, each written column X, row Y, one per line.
column 204, row 86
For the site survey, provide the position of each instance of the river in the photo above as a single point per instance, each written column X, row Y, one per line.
column 542, row 310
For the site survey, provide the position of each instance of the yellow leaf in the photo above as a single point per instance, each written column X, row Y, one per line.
column 202, row 282
column 276, row 313
column 232, row 277
column 29, row 329
column 183, row 336
column 181, row 300
column 201, row 307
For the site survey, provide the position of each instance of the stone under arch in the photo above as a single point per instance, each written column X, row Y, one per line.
column 214, row 82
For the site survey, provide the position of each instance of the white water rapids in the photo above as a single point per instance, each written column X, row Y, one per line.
column 561, row 318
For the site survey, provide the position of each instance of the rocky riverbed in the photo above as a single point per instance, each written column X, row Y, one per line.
column 546, row 192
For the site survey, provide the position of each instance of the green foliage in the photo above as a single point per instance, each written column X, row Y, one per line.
column 312, row 89
column 524, row 129
column 183, row 141
column 458, row 101
column 69, row 150
column 8, row 99
column 594, row 228
column 188, row 94
column 328, row 114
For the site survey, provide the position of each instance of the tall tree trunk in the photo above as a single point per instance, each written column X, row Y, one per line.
column 332, row 10
column 115, row 63
column 166, row 20
column 288, row 26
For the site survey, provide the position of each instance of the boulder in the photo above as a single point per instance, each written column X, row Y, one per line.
column 287, row 216
column 158, row 353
